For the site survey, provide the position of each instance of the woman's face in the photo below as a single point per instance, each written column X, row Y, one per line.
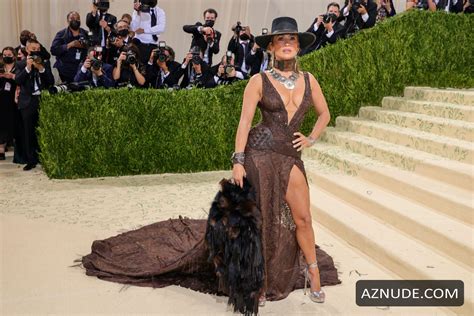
column 284, row 46
column 8, row 53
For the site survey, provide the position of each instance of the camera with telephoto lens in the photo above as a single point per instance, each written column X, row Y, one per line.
column 196, row 59
column 228, row 67
column 36, row 56
column 329, row 17
column 159, row 53
column 86, row 41
column 70, row 87
column 130, row 56
column 238, row 28
column 146, row 5
column 264, row 31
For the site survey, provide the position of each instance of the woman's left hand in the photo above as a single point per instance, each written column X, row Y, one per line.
column 301, row 141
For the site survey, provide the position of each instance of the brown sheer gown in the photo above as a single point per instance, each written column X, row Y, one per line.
column 175, row 252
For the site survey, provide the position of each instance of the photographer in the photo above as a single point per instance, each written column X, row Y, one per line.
column 240, row 45
column 70, row 47
column 8, row 108
column 162, row 71
column 148, row 22
column 194, row 70
column 326, row 28
column 129, row 70
column 25, row 35
column 358, row 14
column 454, row 6
column 100, row 22
column 32, row 75
column 205, row 36
column 385, row 9
column 93, row 70
column 117, row 38
column 225, row 72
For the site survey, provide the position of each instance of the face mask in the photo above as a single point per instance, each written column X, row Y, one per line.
column 8, row 60
column 209, row 23
column 75, row 25
column 123, row 33
column 244, row 37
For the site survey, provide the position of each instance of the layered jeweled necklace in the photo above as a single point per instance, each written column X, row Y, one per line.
column 289, row 82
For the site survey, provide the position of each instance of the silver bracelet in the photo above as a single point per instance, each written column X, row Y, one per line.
column 238, row 158
column 312, row 140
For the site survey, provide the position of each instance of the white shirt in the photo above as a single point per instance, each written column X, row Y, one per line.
column 143, row 21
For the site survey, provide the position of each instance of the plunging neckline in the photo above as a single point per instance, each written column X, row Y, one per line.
column 288, row 122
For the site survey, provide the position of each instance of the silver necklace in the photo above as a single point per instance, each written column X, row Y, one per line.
column 289, row 82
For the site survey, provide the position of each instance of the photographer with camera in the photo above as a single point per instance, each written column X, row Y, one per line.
column 148, row 22
column 454, row 6
column 326, row 28
column 8, row 108
column 25, row 35
column 162, row 70
column 32, row 75
column 194, row 70
column 129, row 70
column 118, row 37
column 240, row 45
column 94, row 70
column 357, row 15
column 70, row 47
column 258, row 59
column 205, row 36
column 226, row 72
column 100, row 22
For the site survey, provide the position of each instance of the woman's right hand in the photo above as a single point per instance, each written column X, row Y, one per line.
column 238, row 174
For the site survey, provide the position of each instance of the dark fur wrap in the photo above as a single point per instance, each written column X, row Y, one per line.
column 233, row 236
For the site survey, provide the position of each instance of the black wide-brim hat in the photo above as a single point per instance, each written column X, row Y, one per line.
column 285, row 25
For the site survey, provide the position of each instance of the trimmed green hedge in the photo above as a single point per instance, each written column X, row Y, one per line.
column 119, row 132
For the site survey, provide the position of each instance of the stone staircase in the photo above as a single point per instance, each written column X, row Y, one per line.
column 396, row 182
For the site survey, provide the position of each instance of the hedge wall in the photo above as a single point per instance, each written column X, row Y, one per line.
column 121, row 132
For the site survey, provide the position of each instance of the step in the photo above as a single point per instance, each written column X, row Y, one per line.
column 435, row 144
column 436, row 125
column 447, row 236
column 402, row 254
column 352, row 265
column 457, row 96
column 436, row 167
column 440, row 196
column 439, row 109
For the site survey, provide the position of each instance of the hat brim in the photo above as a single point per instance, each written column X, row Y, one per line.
column 305, row 38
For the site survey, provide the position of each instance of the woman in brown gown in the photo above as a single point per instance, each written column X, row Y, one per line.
column 269, row 155
column 176, row 252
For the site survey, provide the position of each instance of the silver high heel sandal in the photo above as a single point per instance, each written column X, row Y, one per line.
column 262, row 300
column 315, row 296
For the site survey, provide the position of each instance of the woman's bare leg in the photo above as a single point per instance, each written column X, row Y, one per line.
column 297, row 197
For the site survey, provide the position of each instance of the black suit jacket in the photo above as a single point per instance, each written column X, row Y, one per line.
column 238, row 50
column 211, row 83
column 199, row 81
column 321, row 37
column 92, row 23
column 26, row 81
column 355, row 19
column 198, row 40
column 153, row 75
column 254, row 61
